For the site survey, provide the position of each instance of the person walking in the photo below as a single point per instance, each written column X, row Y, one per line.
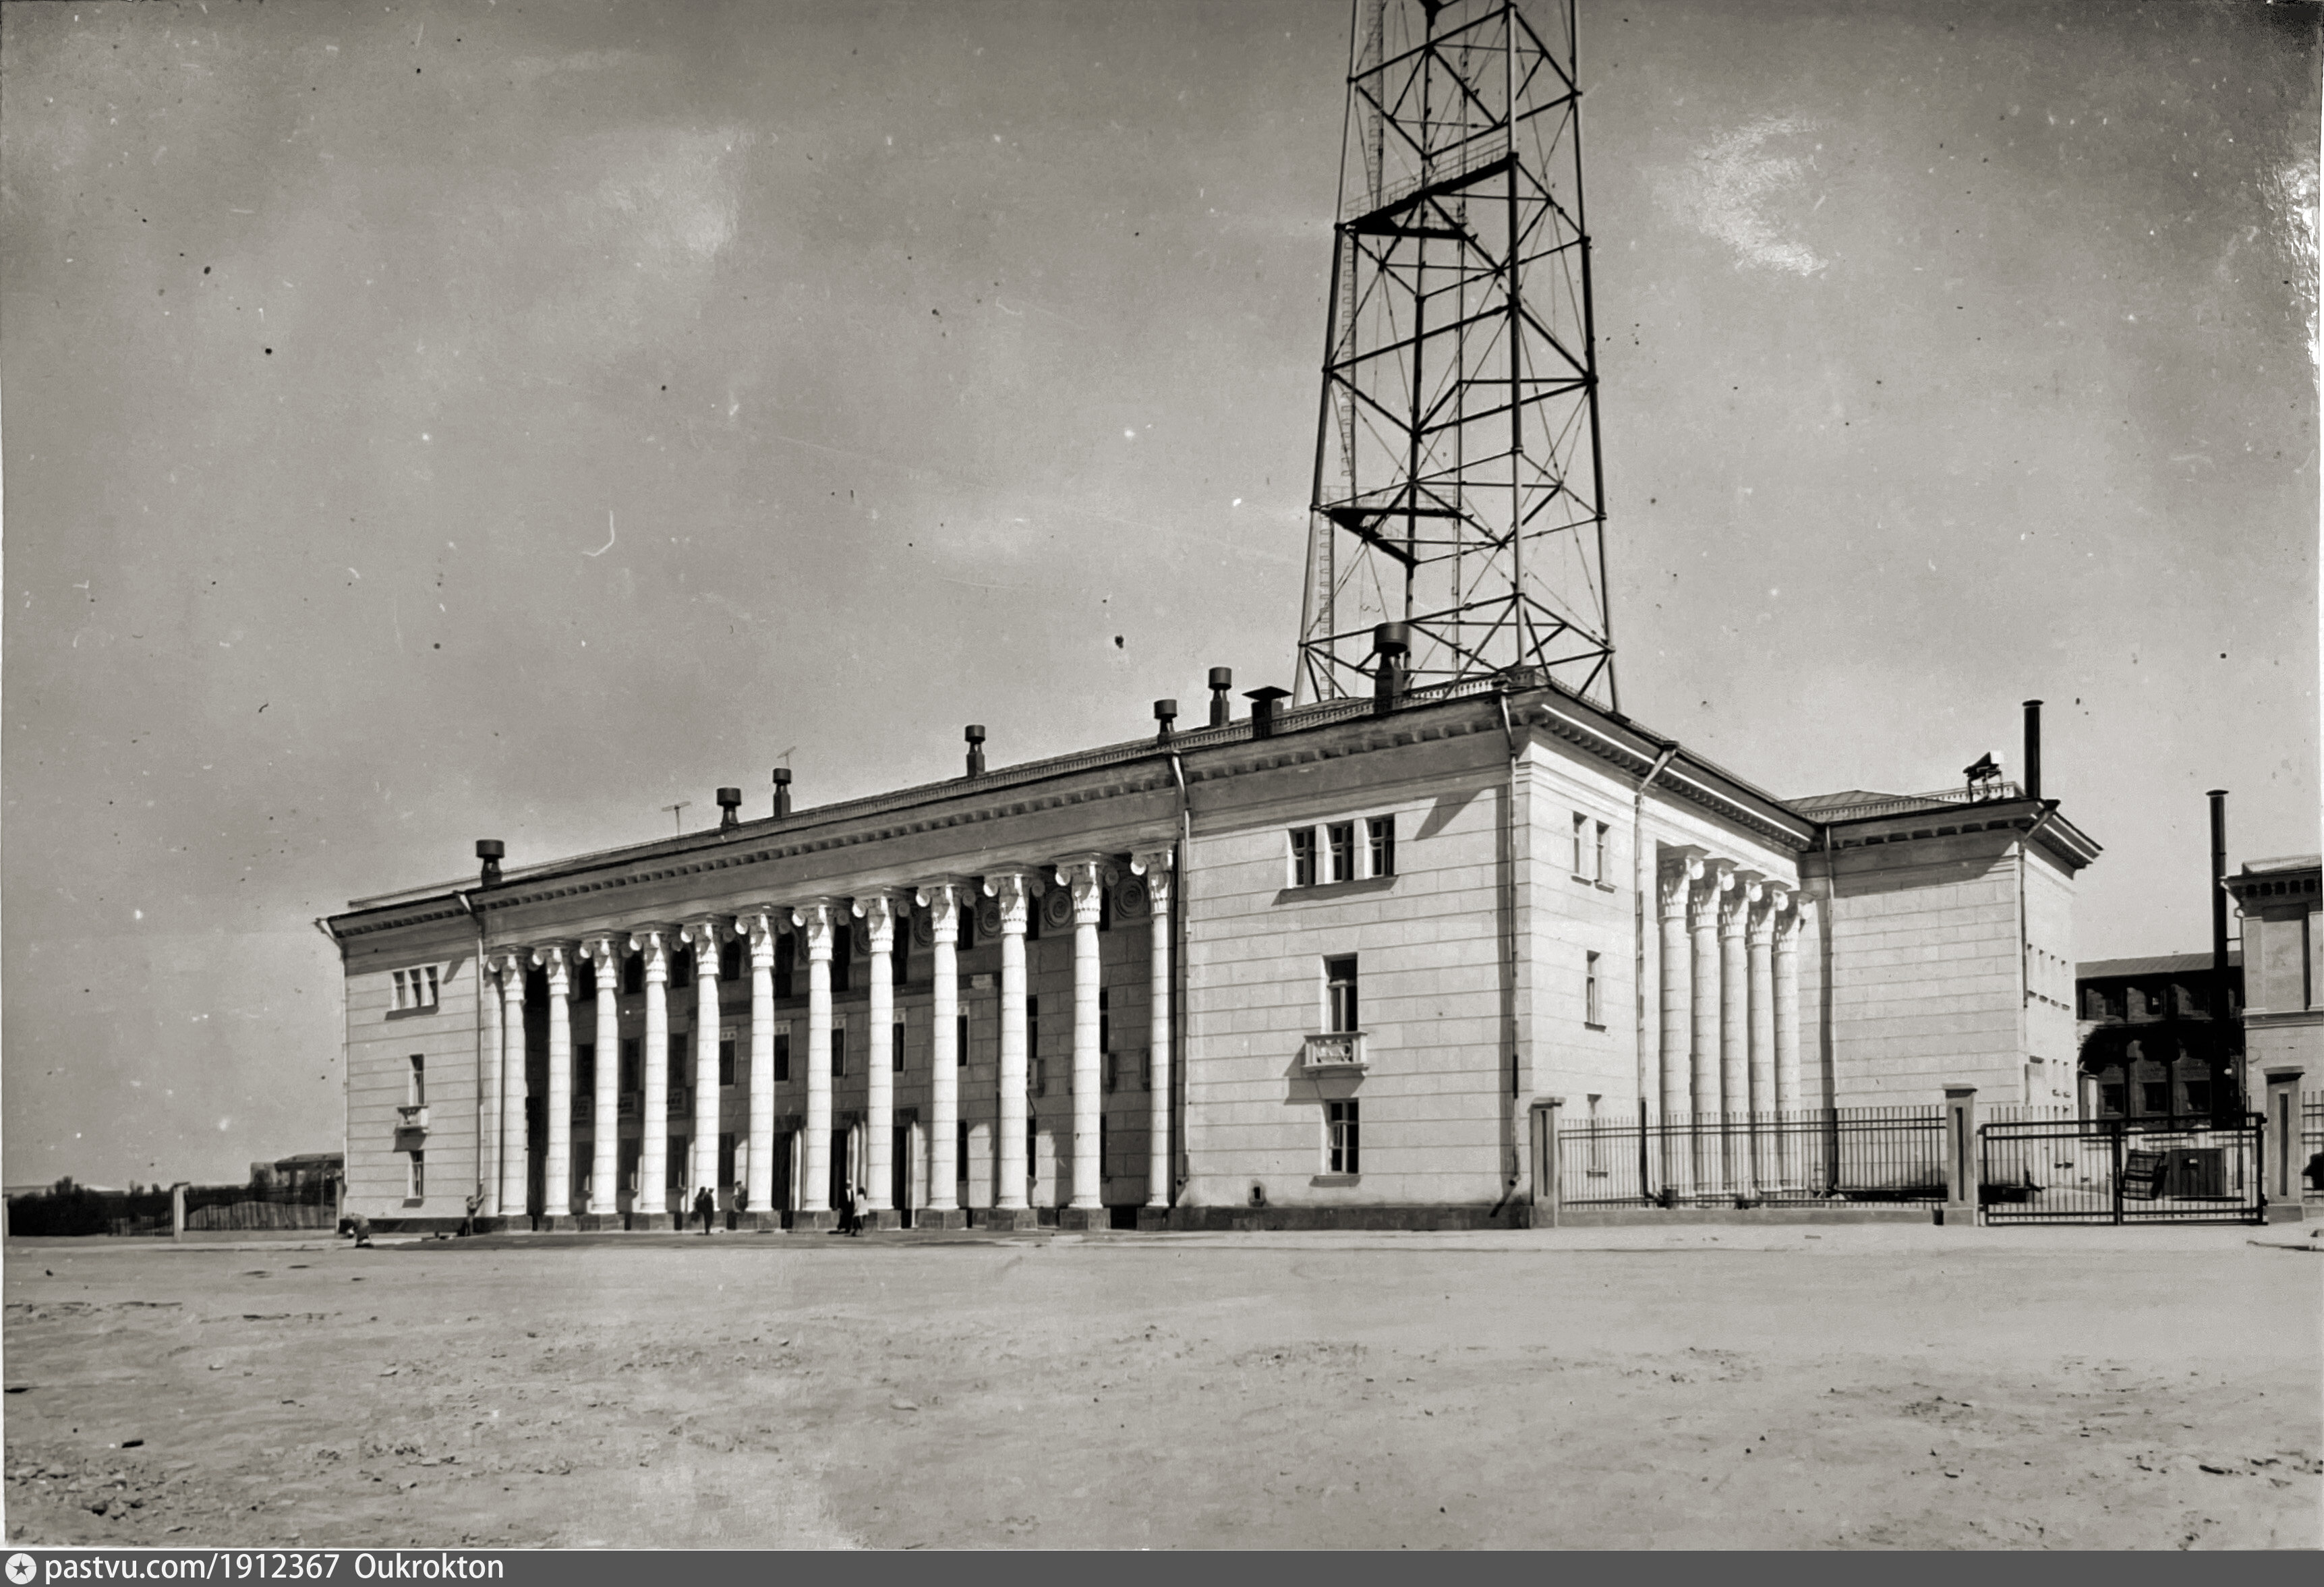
column 356, row 1224
column 704, row 1204
column 847, row 1209
column 468, row 1212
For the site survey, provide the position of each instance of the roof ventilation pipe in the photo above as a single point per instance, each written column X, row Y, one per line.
column 2034, row 749
column 782, row 791
column 1262, row 709
column 1391, row 643
column 1165, row 712
column 976, row 737
column 1222, row 680
column 490, row 850
column 730, row 806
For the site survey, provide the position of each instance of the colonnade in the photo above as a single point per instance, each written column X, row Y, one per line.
column 1729, row 1025
column 504, row 1158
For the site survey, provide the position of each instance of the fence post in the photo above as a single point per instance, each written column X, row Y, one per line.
column 177, row 1211
column 2280, row 1144
column 1548, row 1177
column 1960, row 1156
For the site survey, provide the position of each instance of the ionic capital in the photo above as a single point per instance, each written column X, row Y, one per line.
column 1087, row 875
column 877, row 911
column 759, row 927
column 1014, row 890
column 652, row 945
column 551, row 957
column 1735, row 902
column 818, row 920
column 1787, row 927
column 509, row 964
column 944, row 901
column 602, row 952
column 1682, row 869
column 1156, row 866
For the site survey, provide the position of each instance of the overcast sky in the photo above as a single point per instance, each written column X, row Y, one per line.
column 428, row 423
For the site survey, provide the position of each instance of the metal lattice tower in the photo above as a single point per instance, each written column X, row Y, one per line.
column 1457, row 472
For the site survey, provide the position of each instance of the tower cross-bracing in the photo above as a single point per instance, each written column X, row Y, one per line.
column 1457, row 470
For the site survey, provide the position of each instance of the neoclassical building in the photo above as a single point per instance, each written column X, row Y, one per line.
column 1316, row 966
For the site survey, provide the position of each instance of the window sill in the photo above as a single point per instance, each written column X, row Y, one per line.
column 411, row 1013
column 1335, row 1181
column 415, row 1201
column 1587, row 1025
column 1315, row 892
column 1605, row 887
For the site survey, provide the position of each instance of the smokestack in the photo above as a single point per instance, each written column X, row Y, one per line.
column 490, row 850
column 730, row 805
column 2034, row 749
column 1391, row 643
column 782, row 790
column 2218, row 798
column 1222, row 680
column 1262, row 709
column 1165, row 712
column 976, row 749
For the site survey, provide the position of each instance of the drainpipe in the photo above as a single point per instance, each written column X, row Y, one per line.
column 1180, row 988
column 1511, row 1173
column 1640, row 881
column 469, row 910
column 2024, row 941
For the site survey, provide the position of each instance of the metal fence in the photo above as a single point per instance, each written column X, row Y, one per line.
column 1892, row 1153
column 2069, row 1170
column 2311, row 1146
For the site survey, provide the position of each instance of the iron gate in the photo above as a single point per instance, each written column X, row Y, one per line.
column 2121, row 1171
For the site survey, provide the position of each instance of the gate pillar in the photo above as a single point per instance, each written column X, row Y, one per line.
column 2280, row 1145
column 1548, row 1187
column 1960, row 1156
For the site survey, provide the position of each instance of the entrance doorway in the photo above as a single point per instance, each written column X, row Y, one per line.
column 899, row 1178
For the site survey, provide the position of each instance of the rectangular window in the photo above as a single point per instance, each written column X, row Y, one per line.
column 2110, row 1101
column 1104, row 1020
column 903, row 954
column 1591, row 1014
column 629, row 1062
column 585, row 1068
column 1343, row 835
column 1104, row 1148
column 633, row 973
column 782, row 1054
column 681, row 965
column 414, row 989
column 415, row 1186
column 786, row 955
column 415, row 1085
column 680, row 1048
column 960, row 1041
column 1303, row 856
column 843, row 956
column 1340, row 994
column 2198, row 1095
column 729, row 960
column 1145, row 1068
column 896, row 1049
column 726, row 1057
column 1343, row 1137
column 959, row 1152
column 2155, row 1095
column 1382, row 832
column 1580, row 837
column 584, row 982
column 839, row 1050
column 674, row 1171
column 1597, row 855
column 1033, row 1068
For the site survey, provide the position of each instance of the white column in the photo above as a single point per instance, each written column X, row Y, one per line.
column 1702, row 999
column 758, row 929
column 1787, row 1034
column 488, row 1088
column 702, row 1165
column 605, row 955
column 1087, row 876
column 514, row 1145
column 818, row 921
column 652, row 1199
column 1734, row 1017
column 1674, row 883
column 1764, row 1126
column 557, row 1161
column 879, row 914
column 943, row 900
column 1154, row 865
column 1014, row 890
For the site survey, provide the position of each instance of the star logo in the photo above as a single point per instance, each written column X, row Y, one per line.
column 21, row 1569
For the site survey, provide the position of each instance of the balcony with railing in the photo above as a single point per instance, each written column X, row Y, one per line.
column 411, row 1117
column 1334, row 1051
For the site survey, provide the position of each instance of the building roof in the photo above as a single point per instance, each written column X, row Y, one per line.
column 2152, row 964
column 2288, row 863
column 1858, row 804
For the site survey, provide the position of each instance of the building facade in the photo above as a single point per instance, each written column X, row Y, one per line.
column 1315, row 967
column 2279, row 902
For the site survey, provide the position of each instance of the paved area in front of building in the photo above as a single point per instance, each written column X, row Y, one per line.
column 1839, row 1387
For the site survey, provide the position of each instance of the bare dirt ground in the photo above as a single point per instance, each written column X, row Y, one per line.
column 1834, row 1387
